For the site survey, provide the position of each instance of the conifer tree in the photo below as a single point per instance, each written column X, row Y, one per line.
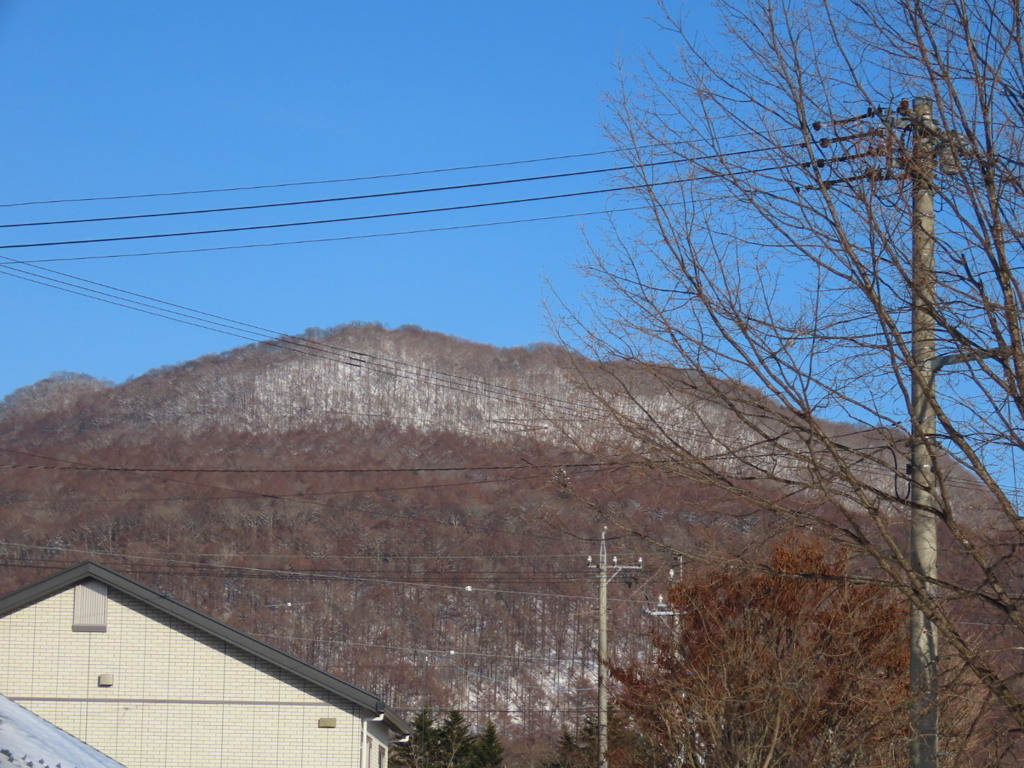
column 455, row 742
column 489, row 752
column 450, row 744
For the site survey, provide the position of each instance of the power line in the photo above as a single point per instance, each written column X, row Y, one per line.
column 307, row 241
column 199, row 568
column 391, row 556
column 306, row 470
column 283, row 185
column 441, row 578
column 435, row 653
column 515, row 711
column 241, row 330
column 301, row 497
column 370, row 217
column 326, row 351
column 316, row 240
column 305, row 497
column 250, row 332
column 351, row 179
column 357, row 359
column 316, row 222
column 324, row 200
column 378, row 195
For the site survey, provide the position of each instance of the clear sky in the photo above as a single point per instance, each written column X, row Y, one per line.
column 109, row 98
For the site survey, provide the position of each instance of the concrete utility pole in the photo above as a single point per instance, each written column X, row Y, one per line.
column 930, row 147
column 604, row 575
column 924, row 654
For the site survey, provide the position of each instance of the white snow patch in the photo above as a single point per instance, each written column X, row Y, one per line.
column 27, row 740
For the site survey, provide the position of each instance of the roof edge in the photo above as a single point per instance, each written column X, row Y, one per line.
column 87, row 569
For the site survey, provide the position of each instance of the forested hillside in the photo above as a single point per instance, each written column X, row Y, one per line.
column 353, row 375
column 410, row 511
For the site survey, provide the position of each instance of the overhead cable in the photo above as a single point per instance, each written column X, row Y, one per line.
column 352, row 179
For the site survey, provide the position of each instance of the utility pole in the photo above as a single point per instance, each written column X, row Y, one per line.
column 924, row 655
column 929, row 148
column 604, row 575
column 663, row 609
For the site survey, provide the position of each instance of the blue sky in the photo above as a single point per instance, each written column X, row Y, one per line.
column 111, row 98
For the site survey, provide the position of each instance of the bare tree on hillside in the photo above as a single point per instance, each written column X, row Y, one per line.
column 820, row 287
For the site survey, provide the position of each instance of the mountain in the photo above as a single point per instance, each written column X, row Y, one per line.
column 410, row 511
column 398, row 507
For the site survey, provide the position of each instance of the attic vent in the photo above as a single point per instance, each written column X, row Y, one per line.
column 90, row 607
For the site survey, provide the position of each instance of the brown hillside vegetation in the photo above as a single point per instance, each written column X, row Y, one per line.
column 339, row 504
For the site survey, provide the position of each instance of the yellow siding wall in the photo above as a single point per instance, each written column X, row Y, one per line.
column 180, row 698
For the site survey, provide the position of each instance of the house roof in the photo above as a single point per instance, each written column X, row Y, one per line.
column 29, row 741
column 91, row 570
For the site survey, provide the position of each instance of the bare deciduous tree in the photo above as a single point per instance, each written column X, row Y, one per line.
column 786, row 315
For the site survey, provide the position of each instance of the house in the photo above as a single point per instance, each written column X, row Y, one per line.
column 29, row 741
column 155, row 684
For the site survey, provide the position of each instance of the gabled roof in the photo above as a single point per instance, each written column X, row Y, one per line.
column 91, row 570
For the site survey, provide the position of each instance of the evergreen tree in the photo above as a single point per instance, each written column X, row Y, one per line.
column 452, row 744
column 455, row 742
column 627, row 747
column 576, row 751
column 488, row 752
column 421, row 751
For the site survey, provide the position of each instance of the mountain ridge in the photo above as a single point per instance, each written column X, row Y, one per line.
column 357, row 373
